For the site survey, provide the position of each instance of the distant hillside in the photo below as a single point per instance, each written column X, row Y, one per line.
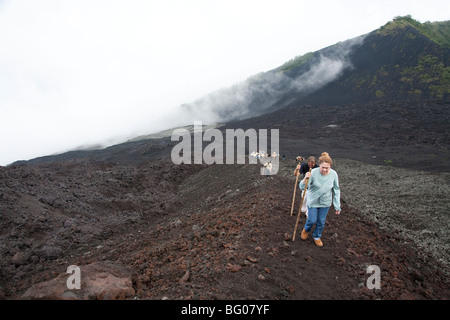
column 404, row 60
column 436, row 31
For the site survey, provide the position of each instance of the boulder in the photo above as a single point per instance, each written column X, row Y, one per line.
column 103, row 280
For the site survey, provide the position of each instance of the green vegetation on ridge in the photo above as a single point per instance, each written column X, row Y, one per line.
column 438, row 32
column 430, row 73
column 415, row 71
column 296, row 62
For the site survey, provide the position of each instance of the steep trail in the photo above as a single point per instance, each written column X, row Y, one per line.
column 233, row 240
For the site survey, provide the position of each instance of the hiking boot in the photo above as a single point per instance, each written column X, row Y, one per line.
column 304, row 234
column 318, row 242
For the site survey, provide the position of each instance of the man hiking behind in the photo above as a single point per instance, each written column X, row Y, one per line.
column 303, row 169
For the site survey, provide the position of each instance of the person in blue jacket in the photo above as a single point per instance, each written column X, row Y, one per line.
column 322, row 191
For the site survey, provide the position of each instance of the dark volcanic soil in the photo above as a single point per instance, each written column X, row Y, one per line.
column 208, row 232
column 409, row 134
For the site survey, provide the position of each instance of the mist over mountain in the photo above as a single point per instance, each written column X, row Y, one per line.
column 402, row 61
column 275, row 89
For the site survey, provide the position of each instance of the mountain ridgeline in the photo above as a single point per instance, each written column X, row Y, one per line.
column 388, row 89
column 404, row 60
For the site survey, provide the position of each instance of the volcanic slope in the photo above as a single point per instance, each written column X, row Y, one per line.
column 403, row 60
column 226, row 234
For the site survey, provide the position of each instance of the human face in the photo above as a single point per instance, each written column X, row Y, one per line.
column 325, row 168
column 311, row 164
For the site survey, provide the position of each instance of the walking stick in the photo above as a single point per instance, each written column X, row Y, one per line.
column 295, row 189
column 299, row 159
column 300, row 209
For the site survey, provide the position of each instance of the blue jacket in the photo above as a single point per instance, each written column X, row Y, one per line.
column 323, row 190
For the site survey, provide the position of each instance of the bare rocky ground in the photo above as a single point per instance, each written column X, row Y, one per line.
column 140, row 227
column 159, row 231
column 404, row 202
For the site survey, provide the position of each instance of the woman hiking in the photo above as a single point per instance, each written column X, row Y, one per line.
column 323, row 189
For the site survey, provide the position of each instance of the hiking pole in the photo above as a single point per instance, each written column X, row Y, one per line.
column 299, row 159
column 295, row 190
column 300, row 209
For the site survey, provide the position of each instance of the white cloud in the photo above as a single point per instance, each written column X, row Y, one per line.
column 81, row 72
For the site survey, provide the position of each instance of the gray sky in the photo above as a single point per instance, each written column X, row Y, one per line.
column 83, row 72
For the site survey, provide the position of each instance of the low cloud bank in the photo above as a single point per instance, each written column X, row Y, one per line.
column 271, row 90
